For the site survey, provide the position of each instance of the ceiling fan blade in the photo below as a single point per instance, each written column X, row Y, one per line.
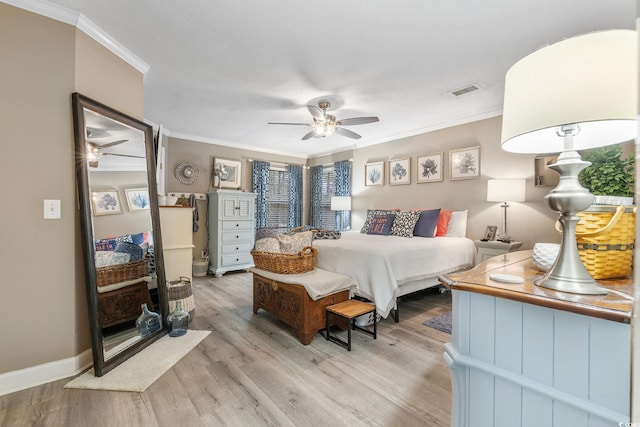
column 96, row 133
column 347, row 133
column 309, row 135
column 357, row 121
column 111, row 144
column 316, row 112
column 295, row 124
column 123, row 155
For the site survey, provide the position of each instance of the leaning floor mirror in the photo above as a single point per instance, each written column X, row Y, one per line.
column 121, row 240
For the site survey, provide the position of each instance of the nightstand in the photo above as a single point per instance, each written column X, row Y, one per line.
column 493, row 248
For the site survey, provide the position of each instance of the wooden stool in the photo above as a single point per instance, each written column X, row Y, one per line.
column 350, row 310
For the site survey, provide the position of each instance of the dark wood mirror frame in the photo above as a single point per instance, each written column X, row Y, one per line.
column 81, row 103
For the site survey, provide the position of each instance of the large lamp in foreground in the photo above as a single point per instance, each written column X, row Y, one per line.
column 577, row 94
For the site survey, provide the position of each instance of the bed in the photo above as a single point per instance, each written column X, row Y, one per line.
column 386, row 267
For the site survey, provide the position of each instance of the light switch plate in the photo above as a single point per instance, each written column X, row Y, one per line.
column 52, row 209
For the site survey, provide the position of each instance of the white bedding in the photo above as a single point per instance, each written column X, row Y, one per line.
column 381, row 264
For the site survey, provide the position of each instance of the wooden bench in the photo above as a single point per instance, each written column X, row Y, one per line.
column 350, row 310
column 291, row 304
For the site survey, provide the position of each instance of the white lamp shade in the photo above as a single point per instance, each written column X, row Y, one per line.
column 340, row 203
column 590, row 80
column 506, row 190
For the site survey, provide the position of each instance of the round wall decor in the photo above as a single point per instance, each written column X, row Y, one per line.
column 186, row 173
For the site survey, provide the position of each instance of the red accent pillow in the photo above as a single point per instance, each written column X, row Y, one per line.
column 443, row 222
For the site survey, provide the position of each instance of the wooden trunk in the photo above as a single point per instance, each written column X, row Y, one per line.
column 292, row 305
column 124, row 304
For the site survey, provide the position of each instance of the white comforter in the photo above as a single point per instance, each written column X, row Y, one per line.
column 380, row 264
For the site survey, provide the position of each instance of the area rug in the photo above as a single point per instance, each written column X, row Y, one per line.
column 441, row 323
column 144, row 368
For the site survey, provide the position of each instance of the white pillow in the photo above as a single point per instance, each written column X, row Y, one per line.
column 458, row 224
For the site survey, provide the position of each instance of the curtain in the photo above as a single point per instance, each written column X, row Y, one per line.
column 315, row 208
column 295, row 196
column 342, row 171
column 260, row 186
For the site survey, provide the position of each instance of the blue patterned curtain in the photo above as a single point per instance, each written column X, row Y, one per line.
column 295, row 196
column 342, row 171
column 260, row 186
column 315, row 208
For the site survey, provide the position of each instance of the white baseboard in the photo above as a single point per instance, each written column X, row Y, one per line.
column 41, row 374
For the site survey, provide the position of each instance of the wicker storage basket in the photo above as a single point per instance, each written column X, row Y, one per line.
column 181, row 290
column 303, row 261
column 121, row 272
column 606, row 236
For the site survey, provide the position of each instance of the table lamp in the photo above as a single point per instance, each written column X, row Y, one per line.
column 505, row 191
column 577, row 94
column 340, row 204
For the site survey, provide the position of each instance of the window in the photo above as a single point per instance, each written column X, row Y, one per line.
column 328, row 190
column 278, row 199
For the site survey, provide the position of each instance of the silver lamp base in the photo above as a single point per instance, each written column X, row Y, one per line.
column 568, row 273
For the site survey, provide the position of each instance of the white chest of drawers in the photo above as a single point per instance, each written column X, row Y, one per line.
column 231, row 231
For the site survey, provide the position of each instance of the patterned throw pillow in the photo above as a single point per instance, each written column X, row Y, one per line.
column 132, row 249
column 106, row 244
column 370, row 214
column 327, row 235
column 404, row 223
column 268, row 244
column 381, row 224
column 106, row 258
column 295, row 243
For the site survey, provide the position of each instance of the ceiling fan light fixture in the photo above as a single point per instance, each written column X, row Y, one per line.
column 323, row 129
column 93, row 153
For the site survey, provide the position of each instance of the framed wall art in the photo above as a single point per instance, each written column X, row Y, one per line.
column 228, row 172
column 400, row 171
column 137, row 199
column 374, row 174
column 429, row 168
column 106, row 202
column 464, row 163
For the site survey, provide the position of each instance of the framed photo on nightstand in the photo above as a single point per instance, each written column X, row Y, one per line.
column 490, row 232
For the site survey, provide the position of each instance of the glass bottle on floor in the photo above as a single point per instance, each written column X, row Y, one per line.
column 178, row 321
column 148, row 322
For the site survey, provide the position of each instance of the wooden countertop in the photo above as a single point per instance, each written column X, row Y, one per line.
column 616, row 305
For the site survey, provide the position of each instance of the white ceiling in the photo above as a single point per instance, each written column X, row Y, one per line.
column 220, row 70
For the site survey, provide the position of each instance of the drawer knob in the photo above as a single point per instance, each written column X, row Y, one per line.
column 237, row 248
column 237, row 237
column 274, row 285
column 237, row 225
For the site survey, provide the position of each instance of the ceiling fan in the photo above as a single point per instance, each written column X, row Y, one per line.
column 325, row 124
column 94, row 152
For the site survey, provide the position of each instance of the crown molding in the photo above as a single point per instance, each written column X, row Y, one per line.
column 84, row 24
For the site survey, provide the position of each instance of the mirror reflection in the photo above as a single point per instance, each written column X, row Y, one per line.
column 116, row 173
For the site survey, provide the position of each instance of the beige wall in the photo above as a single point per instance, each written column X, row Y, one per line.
column 127, row 222
column 42, row 287
column 202, row 154
column 529, row 222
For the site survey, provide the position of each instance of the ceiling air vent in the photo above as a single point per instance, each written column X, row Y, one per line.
column 466, row 89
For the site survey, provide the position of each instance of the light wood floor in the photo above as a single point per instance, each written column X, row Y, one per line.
column 252, row 371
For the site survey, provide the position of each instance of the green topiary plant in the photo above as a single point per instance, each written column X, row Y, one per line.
column 609, row 174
